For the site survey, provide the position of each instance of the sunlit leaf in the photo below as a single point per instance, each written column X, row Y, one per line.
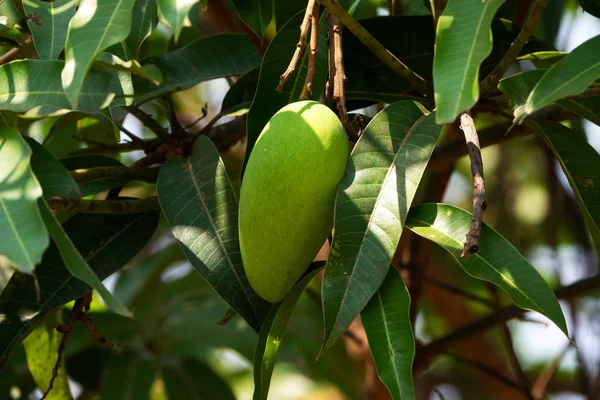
column 191, row 379
column 128, row 376
column 543, row 59
column 257, row 14
column 145, row 19
column 175, row 13
column 49, row 37
column 11, row 35
column 110, row 62
column 496, row 261
column 372, row 202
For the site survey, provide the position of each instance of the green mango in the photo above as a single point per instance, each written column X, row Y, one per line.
column 288, row 195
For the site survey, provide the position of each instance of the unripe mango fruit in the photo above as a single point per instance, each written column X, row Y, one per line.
column 288, row 194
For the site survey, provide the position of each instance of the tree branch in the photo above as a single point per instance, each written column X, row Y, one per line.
column 129, row 173
column 123, row 206
column 148, row 122
column 312, row 54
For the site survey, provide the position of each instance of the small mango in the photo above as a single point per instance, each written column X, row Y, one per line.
column 288, row 193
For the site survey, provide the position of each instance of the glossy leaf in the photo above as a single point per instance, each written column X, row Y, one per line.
column 272, row 332
column 191, row 379
column 95, row 185
column 496, row 261
column 200, row 205
column 581, row 164
column 175, row 13
column 568, row 77
column 49, row 37
column 114, row 241
column 267, row 101
column 372, row 202
column 145, row 19
column 24, row 236
column 41, row 347
column 11, row 35
column 386, row 320
column 96, row 26
column 25, row 84
column 257, row 14
column 127, row 376
column 463, row 41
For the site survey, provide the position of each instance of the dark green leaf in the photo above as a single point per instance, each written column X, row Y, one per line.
column 386, row 320
column 16, row 375
column 242, row 92
column 96, row 185
column 175, row 13
column 496, row 261
column 145, row 19
column 114, row 241
column 200, row 205
column 8, row 119
column 49, row 37
column 257, row 14
column 591, row 6
column 372, row 202
column 191, row 379
column 12, row 35
column 128, row 376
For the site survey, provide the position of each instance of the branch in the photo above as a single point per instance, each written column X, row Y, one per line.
column 312, row 54
column 148, row 122
column 300, row 46
column 468, row 127
column 491, row 81
column 376, row 47
column 129, row 173
column 146, row 145
column 456, row 290
column 129, row 206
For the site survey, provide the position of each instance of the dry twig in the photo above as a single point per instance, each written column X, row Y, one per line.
column 312, row 54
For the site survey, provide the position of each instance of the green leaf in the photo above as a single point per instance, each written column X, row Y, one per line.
column 41, row 347
column 386, row 320
column 16, row 375
column 543, row 59
column 568, row 77
column 208, row 58
column 12, row 35
column 145, row 19
column 24, row 236
column 175, row 13
column 50, row 37
column 272, row 332
column 191, row 379
column 267, row 101
column 114, row 241
column 25, row 84
column 127, row 376
column 372, row 202
column 95, row 27
column 95, row 185
column 241, row 93
column 8, row 119
column 200, row 205
column 110, row 62
column 591, row 6
column 463, row 41
column 257, row 14
column 496, row 261
column 581, row 164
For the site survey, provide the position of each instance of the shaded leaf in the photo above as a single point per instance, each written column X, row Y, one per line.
column 50, row 37
column 175, row 13
column 496, row 261
column 127, row 376
column 95, row 185
column 95, row 27
column 144, row 21
column 386, row 320
column 241, row 93
column 8, row 119
column 191, row 379
column 591, row 6
column 24, row 236
column 372, row 202
column 114, row 241
column 200, row 205
column 463, row 41
column 11, row 35
column 257, row 14
column 16, row 375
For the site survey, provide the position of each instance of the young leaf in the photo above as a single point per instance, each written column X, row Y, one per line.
column 372, row 202
column 49, row 37
column 386, row 320
column 267, row 101
column 272, row 332
column 496, row 261
column 24, row 236
column 463, row 41
column 96, row 26
column 257, row 14
column 114, row 241
column 144, row 21
column 191, row 379
column 568, row 77
column 198, row 201
column 175, row 13
column 581, row 164
column 127, row 376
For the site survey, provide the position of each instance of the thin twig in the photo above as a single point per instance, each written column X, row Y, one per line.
column 130, row 135
column 129, row 206
column 312, row 54
column 129, row 173
column 300, row 46
column 468, row 127
column 453, row 289
column 200, row 118
column 148, row 122
column 99, row 147
column 541, row 383
column 9, row 55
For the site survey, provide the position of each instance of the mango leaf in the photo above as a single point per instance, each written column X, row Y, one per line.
column 191, row 379
column 463, row 41
column 568, row 77
column 16, row 375
column 25, row 84
column 241, row 93
column 543, row 59
column 207, row 58
column 386, row 320
column 496, row 261
column 95, row 185
column 127, row 376
column 49, row 38
column 591, row 6
column 110, row 62
column 200, row 205
column 144, row 21
column 8, row 119
column 24, row 236
column 175, row 13
column 372, row 202
column 114, row 241
column 257, row 14
column 581, row 164
column 267, row 101
column 272, row 332
column 11, row 35
column 95, row 27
